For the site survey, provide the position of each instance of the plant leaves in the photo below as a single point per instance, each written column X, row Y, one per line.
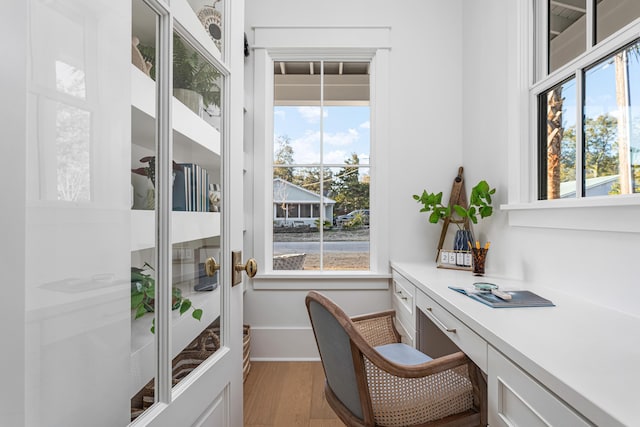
column 197, row 313
column 482, row 187
column 460, row 211
column 434, row 217
column 486, row 211
column 140, row 311
column 186, row 304
column 136, row 300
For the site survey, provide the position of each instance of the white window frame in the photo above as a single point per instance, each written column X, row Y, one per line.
column 277, row 43
column 528, row 80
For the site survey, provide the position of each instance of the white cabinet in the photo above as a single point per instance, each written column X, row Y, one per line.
column 516, row 399
column 403, row 302
column 461, row 335
column 529, row 354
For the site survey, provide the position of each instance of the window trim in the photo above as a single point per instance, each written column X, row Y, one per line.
column 523, row 207
column 276, row 43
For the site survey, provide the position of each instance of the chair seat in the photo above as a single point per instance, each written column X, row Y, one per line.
column 402, row 354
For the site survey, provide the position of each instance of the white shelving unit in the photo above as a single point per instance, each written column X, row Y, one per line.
column 193, row 138
column 194, row 141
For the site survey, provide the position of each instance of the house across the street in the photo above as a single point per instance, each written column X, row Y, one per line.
column 296, row 206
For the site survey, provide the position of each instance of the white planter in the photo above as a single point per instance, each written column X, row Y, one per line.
column 190, row 98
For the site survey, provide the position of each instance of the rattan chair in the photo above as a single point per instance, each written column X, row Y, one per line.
column 374, row 380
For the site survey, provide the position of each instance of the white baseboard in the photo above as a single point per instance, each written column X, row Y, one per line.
column 283, row 344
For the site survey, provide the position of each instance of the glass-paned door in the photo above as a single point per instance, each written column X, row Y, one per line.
column 77, row 215
column 128, row 305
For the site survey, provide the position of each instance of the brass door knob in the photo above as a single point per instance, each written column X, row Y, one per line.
column 211, row 266
column 251, row 267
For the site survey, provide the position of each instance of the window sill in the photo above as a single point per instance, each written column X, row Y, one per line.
column 619, row 214
column 327, row 280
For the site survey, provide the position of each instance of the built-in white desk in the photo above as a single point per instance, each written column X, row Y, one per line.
column 571, row 365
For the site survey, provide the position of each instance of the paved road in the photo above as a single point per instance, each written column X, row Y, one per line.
column 314, row 247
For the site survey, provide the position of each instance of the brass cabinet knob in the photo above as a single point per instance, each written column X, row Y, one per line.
column 211, row 266
column 251, row 267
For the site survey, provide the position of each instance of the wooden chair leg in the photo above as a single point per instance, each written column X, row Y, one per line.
column 479, row 384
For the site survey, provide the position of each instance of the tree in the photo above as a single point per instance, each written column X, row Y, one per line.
column 601, row 156
column 568, row 155
column 283, row 156
column 309, row 179
column 349, row 192
column 554, row 141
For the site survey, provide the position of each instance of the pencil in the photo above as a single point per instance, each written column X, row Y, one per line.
column 486, row 246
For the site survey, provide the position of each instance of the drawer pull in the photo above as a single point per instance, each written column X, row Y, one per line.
column 401, row 295
column 439, row 322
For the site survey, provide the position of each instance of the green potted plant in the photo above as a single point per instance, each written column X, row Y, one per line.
column 143, row 288
column 195, row 80
column 193, row 74
column 479, row 205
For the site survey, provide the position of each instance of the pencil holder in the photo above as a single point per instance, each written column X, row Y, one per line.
column 479, row 257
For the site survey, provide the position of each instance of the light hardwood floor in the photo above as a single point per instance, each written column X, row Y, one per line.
column 287, row 394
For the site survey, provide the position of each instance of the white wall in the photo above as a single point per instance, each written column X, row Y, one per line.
column 425, row 144
column 595, row 265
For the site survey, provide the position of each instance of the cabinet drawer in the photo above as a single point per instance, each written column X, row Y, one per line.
column 463, row 337
column 403, row 300
column 406, row 333
column 516, row 399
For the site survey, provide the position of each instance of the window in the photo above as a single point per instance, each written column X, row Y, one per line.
column 321, row 178
column 588, row 96
column 311, row 178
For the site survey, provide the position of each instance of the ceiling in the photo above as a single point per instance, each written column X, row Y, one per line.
column 313, row 67
column 564, row 13
column 297, row 83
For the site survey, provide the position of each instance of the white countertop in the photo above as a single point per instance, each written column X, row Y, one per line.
column 588, row 355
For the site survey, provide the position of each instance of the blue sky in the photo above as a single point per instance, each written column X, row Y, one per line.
column 601, row 92
column 346, row 131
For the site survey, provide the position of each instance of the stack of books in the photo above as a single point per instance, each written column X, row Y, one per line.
column 191, row 188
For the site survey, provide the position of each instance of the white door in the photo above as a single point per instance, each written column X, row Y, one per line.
column 110, row 219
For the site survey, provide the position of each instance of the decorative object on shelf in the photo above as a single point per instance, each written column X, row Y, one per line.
column 143, row 288
column 211, row 19
column 146, row 196
column 195, row 80
column 193, row 73
column 460, row 213
column 138, row 59
column 214, row 197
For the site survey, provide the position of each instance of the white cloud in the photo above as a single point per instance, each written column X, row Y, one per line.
column 366, row 125
column 307, row 148
column 311, row 114
column 341, row 138
column 337, row 156
column 279, row 114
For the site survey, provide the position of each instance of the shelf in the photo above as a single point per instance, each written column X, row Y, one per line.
column 185, row 329
column 194, row 140
column 186, row 226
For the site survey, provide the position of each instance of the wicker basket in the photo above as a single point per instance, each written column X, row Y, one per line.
column 246, row 351
column 196, row 352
